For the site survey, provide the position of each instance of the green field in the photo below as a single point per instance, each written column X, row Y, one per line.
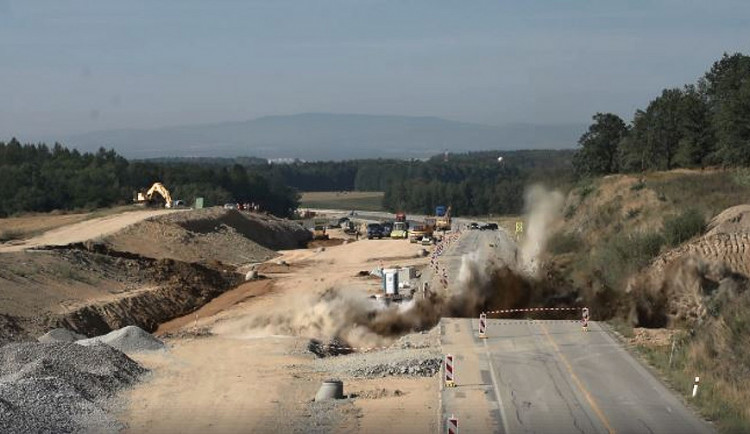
column 360, row 200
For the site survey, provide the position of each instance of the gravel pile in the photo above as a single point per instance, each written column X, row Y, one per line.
column 61, row 387
column 414, row 368
column 60, row 335
column 130, row 339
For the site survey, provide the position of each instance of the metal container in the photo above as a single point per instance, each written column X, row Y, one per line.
column 330, row 389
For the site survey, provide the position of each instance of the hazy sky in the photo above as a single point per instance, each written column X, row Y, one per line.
column 76, row 66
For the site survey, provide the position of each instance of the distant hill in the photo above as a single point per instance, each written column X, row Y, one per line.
column 320, row 136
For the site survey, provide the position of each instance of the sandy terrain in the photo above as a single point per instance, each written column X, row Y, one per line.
column 84, row 230
column 241, row 379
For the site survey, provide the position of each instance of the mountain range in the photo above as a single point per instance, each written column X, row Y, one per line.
column 324, row 136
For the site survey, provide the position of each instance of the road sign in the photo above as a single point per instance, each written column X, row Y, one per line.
column 519, row 227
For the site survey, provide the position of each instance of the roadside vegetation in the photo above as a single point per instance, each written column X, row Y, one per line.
column 37, row 178
column 360, row 200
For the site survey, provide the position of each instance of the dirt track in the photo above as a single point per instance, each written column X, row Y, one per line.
column 85, row 230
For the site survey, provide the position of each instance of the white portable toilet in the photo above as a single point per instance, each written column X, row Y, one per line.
column 390, row 277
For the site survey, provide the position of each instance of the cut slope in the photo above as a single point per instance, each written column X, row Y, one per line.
column 214, row 234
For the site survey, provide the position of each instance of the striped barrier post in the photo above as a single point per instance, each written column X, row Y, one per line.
column 585, row 319
column 449, row 371
column 695, row 386
column 452, row 427
column 482, row 325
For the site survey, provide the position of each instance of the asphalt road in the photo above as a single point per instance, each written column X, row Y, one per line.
column 549, row 376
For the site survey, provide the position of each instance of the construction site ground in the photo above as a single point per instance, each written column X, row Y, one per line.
column 180, row 275
column 223, row 375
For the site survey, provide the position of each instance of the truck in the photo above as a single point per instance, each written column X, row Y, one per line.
column 421, row 230
column 443, row 222
column 319, row 229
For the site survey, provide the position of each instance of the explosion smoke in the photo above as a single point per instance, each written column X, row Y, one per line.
column 542, row 207
column 483, row 283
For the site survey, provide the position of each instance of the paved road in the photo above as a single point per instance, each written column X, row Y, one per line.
column 550, row 376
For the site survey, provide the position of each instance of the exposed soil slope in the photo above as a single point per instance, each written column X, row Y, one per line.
column 214, row 234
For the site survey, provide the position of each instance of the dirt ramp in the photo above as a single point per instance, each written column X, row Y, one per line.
column 215, row 234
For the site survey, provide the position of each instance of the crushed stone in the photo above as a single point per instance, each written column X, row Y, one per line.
column 60, row 335
column 61, row 387
column 130, row 339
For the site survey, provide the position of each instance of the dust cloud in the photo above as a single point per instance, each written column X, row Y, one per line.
column 543, row 207
column 484, row 282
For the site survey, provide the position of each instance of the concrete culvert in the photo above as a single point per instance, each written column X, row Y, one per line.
column 330, row 389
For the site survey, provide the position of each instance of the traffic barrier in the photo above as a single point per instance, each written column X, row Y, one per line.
column 533, row 309
column 585, row 319
column 695, row 386
column 452, row 427
column 482, row 326
column 449, row 371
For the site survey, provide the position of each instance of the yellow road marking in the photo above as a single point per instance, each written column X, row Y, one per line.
column 585, row 392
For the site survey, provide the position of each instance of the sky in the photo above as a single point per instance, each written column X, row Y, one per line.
column 76, row 66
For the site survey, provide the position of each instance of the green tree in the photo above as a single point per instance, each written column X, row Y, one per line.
column 727, row 89
column 598, row 152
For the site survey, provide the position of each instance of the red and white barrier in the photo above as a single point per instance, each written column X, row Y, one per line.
column 452, row 426
column 585, row 319
column 450, row 371
column 482, row 326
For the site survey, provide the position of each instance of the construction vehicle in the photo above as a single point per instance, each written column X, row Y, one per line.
column 420, row 231
column 400, row 230
column 149, row 198
column 319, row 229
column 443, row 220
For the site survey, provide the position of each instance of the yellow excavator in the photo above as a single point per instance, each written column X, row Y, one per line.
column 148, row 198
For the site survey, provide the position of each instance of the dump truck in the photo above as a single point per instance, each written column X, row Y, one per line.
column 421, row 230
column 443, row 220
column 319, row 229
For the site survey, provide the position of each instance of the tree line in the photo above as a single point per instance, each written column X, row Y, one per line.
column 699, row 125
column 39, row 178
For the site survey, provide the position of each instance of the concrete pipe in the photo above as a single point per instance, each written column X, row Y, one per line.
column 330, row 389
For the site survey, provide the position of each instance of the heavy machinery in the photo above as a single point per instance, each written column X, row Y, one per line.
column 420, row 231
column 149, row 198
column 443, row 220
column 400, row 230
column 319, row 229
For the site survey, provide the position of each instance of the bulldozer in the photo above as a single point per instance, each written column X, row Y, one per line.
column 149, row 199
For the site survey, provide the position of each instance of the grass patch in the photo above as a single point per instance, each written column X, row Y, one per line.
column 708, row 193
column 359, row 200
column 564, row 242
column 684, row 226
column 11, row 234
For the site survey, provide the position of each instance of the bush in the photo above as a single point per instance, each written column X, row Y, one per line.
column 623, row 255
column 562, row 242
column 682, row 227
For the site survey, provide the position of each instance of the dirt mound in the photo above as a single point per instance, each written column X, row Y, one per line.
column 61, row 387
column 214, row 234
column 130, row 339
column 734, row 220
column 674, row 288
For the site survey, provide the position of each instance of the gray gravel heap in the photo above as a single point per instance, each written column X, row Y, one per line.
column 60, row 335
column 414, row 368
column 61, row 387
column 130, row 339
